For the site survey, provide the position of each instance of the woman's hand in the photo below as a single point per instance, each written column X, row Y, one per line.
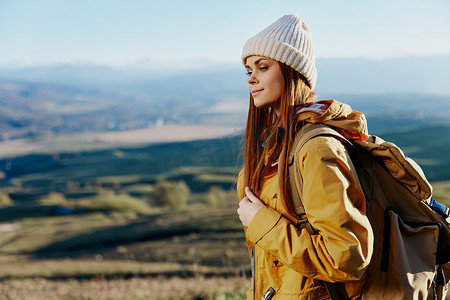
column 248, row 207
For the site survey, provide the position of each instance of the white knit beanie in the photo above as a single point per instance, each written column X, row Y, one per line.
column 288, row 41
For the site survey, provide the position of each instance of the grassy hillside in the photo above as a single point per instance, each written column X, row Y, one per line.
column 106, row 256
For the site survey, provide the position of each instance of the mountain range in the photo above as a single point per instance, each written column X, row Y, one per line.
column 413, row 74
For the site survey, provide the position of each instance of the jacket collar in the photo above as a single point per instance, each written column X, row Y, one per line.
column 350, row 123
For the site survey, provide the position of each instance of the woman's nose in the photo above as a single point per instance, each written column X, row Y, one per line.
column 251, row 79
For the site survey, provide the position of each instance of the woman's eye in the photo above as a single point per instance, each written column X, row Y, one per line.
column 263, row 68
column 248, row 73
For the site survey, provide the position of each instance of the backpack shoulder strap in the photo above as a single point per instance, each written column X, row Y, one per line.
column 305, row 134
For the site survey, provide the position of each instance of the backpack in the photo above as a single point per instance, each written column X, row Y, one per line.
column 411, row 255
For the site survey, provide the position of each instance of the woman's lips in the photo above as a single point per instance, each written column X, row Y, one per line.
column 256, row 92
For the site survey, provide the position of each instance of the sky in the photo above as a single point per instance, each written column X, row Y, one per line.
column 193, row 32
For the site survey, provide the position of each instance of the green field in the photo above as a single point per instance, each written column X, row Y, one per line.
column 430, row 147
column 86, row 225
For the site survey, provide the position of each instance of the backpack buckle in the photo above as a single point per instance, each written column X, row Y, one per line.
column 303, row 222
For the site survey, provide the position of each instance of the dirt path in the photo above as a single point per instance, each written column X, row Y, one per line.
column 88, row 141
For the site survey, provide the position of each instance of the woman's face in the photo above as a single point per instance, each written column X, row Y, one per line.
column 265, row 80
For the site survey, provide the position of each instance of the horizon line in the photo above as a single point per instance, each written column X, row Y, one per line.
column 183, row 64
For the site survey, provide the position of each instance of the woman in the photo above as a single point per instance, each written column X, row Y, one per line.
column 290, row 262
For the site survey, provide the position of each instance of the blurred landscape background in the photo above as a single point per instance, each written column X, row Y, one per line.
column 121, row 129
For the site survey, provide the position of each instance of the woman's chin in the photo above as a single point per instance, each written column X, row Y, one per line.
column 259, row 104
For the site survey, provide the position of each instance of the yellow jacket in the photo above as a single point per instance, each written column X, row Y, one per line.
column 295, row 262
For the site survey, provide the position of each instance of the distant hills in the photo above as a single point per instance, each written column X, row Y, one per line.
column 34, row 110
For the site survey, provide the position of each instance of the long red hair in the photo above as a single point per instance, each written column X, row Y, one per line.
column 262, row 122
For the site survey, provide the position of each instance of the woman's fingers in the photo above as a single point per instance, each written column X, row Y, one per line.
column 251, row 196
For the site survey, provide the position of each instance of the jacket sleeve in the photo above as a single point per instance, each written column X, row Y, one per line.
column 334, row 204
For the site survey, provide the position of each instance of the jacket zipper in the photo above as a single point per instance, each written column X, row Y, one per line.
column 280, row 135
